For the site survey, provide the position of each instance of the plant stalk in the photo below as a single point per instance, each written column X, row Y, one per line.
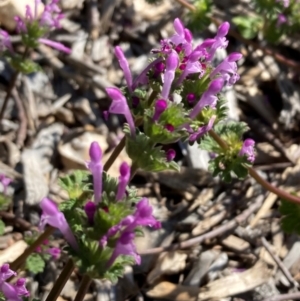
column 253, row 173
column 22, row 258
column 83, row 288
column 116, row 152
column 61, row 281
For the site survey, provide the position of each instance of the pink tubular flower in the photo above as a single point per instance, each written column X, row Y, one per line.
column 119, row 105
column 6, row 272
column 5, row 181
column 96, row 168
column 182, row 37
column 203, row 130
column 125, row 246
column 281, row 20
column 248, row 150
column 90, row 210
column 54, row 252
column 170, row 154
column 12, row 292
column 52, row 216
column 192, row 66
column 124, row 66
column 5, row 43
column 172, row 62
column 220, row 40
column 228, row 69
column 208, row 98
column 160, row 106
column 123, row 180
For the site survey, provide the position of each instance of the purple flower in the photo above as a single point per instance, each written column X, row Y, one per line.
column 54, row 252
column 142, row 77
column 170, row 154
column 52, row 216
column 5, row 43
column 281, row 20
column 191, row 97
column 160, row 106
column 20, row 287
column 119, row 105
column 6, row 272
column 49, row 19
column 90, row 210
column 123, row 180
column 125, row 246
column 191, row 66
column 5, row 181
column 96, row 168
column 143, row 215
column 228, row 69
column 208, row 98
column 124, row 66
column 203, row 130
column 182, row 37
column 248, row 150
column 172, row 62
column 220, row 40
column 12, row 292
column 9, row 292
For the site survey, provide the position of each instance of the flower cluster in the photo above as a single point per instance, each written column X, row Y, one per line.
column 45, row 249
column 12, row 292
column 100, row 228
column 176, row 97
column 34, row 29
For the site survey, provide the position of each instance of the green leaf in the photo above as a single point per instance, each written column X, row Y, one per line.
column 4, row 201
column 76, row 184
column 2, row 227
column 290, row 221
column 248, row 25
column 35, row 263
column 199, row 19
column 25, row 66
column 145, row 155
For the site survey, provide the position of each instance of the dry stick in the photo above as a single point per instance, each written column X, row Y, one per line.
column 84, row 286
column 61, row 281
column 280, row 58
column 291, row 296
column 8, row 94
column 209, row 235
column 21, row 259
column 281, row 266
column 115, row 154
column 253, row 173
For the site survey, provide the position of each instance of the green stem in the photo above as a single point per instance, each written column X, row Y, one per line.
column 83, row 288
column 22, row 258
column 61, row 281
column 253, row 173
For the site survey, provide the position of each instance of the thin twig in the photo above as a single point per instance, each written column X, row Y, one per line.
column 253, row 173
column 22, row 130
column 61, row 281
column 116, row 152
column 83, row 288
column 209, row 235
column 291, row 296
column 8, row 95
column 281, row 266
